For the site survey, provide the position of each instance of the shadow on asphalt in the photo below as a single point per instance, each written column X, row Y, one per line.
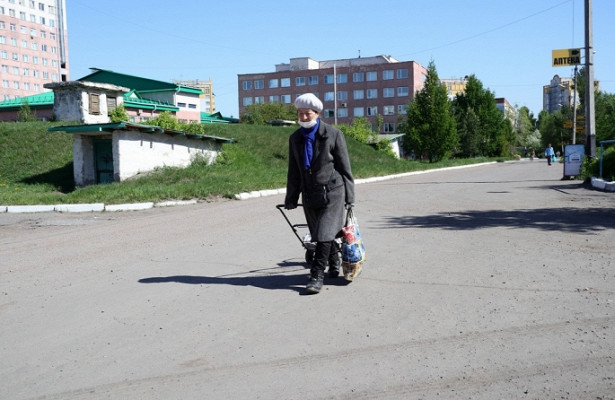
column 295, row 282
column 573, row 220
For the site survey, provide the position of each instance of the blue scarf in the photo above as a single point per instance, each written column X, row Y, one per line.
column 308, row 149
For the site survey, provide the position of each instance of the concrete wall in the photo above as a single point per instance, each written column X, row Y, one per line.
column 141, row 152
column 83, row 160
column 135, row 152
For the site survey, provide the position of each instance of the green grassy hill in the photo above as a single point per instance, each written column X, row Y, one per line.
column 36, row 167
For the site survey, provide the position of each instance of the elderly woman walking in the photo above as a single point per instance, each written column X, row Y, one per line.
column 319, row 170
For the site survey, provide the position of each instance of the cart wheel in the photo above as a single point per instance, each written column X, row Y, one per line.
column 309, row 256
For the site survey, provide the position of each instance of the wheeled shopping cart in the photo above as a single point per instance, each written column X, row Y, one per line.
column 306, row 240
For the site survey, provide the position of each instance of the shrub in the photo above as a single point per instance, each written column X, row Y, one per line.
column 591, row 167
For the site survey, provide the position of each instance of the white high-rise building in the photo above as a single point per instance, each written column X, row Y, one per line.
column 33, row 46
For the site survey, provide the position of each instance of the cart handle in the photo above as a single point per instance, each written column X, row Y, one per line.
column 292, row 226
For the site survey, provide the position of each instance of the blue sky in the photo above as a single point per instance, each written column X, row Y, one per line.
column 506, row 44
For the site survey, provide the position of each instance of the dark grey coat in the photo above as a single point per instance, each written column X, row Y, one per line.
column 331, row 167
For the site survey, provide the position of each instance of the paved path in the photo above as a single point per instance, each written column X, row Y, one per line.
column 489, row 282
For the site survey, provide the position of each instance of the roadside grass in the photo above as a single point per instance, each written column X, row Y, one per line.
column 36, row 167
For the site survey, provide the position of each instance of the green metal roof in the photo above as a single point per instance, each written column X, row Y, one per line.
column 41, row 100
column 133, row 100
column 217, row 118
column 135, row 82
column 129, row 126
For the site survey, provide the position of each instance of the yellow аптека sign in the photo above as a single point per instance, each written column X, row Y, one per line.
column 566, row 57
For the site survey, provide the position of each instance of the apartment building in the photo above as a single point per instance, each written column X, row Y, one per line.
column 454, row 86
column 208, row 98
column 349, row 88
column 558, row 93
column 33, row 46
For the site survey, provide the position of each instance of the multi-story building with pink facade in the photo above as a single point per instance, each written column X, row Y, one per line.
column 349, row 88
column 33, row 46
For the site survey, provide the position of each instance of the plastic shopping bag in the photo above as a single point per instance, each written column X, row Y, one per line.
column 353, row 249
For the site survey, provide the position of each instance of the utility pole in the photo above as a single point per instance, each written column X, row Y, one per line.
column 590, row 117
column 335, row 94
column 574, row 107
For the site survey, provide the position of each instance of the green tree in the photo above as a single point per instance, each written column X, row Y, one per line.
column 495, row 133
column 118, row 114
column 25, row 113
column 605, row 116
column 261, row 114
column 552, row 130
column 165, row 120
column 430, row 127
column 524, row 127
column 468, row 129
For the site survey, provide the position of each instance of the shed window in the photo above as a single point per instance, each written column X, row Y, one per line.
column 111, row 103
column 94, row 104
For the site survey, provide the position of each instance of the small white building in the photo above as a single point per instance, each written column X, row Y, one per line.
column 86, row 102
column 105, row 152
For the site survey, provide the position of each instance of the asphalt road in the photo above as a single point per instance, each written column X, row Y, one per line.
column 491, row 282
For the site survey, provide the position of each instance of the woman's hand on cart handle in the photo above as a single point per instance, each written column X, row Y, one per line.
column 290, row 206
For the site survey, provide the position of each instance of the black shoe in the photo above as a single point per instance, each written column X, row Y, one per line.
column 334, row 272
column 314, row 285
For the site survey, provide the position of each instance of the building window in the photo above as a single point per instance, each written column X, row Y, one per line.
column 358, row 77
column 342, row 78
column 402, row 73
column 94, row 104
column 247, row 101
column 259, row 84
column 247, row 85
column 274, row 99
column 388, row 92
column 329, row 96
column 401, row 109
column 329, row 79
column 371, row 76
column 388, row 110
column 181, row 105
column 285, row 82
column 342, row 112
column 387, row 74
column 372, row 93
column 192, row 106
column 111, row 103
column 389, row 127
column 372, row 111
column 286, row 99
column 358, row 94
column 402, row 91
column 259, row 100
column 300, row 81
column 359, row 111
column 342, row 95
column 329, row 113
column 273, row 83
column 313, row 80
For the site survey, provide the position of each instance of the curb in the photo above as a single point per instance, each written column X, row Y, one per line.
column 262, row 193
column 603, row 185
column 596, row 183
column 96, row 207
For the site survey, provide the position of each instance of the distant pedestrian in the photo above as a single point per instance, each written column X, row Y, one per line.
column 532, row 155
column 549, row 153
